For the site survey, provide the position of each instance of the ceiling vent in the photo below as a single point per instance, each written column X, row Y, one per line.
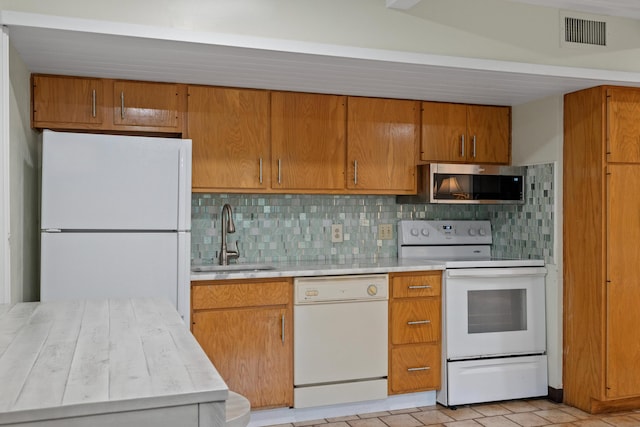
column 576, row 31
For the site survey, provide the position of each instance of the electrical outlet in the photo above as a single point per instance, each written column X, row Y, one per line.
column 385, row 232
column 336, row 233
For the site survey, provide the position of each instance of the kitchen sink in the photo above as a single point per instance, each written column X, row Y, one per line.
column 232, row 268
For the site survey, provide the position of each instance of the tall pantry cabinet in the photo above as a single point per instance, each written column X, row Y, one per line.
column 601, row 251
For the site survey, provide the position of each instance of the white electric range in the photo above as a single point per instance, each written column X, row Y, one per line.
column 493, row 313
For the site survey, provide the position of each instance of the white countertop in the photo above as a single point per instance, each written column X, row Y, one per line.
column 87, row 357
column 328, row 268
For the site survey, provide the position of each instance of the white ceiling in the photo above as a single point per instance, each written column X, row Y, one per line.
column 624, row 8
column 95, row 48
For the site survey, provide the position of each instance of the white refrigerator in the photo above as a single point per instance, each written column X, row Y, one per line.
column 116, row 217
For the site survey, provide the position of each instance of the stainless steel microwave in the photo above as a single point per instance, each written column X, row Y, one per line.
column 468, row 184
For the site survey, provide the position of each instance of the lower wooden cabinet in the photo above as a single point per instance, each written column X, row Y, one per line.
column 414, row 332
column 246, row 330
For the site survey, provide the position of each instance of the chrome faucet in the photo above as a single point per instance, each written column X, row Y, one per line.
column 227, row 227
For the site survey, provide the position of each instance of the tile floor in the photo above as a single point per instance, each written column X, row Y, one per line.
column 516, row 413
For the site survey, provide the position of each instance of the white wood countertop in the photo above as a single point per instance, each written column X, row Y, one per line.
column 88, row 357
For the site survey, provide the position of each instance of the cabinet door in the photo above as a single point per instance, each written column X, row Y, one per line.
column 489, row 134
column 623, row 289
column 145, row 104
column 308, row 141
column 230, row 133
column 382, row 143
column 69, row 102
column 444, row 128
column 623, row 125
column 248, row 348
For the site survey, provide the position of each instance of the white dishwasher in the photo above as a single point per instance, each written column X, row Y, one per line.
column 340, row 339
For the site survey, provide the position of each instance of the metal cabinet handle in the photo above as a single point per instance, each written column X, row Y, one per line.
column 422, row 368
column 419, row 322
column 122, row 105
column 461, row 145
column 355, row 172
column 260, row 170
column 279, row 169
column 420, row 287
column 282, row 320
column 93, row 103
column 474, row 146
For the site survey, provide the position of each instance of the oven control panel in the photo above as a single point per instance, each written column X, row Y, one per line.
column 442, row 232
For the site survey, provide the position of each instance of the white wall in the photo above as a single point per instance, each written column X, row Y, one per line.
column 494, row 29
column 537, row 131
column 537, row 138
column 24, row 186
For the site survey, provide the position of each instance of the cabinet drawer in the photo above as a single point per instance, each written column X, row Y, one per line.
column 415, row 368
column 230, row 294
column 415, row 321
column 423, row 285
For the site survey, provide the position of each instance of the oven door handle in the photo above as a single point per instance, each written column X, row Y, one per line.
column 496, row 272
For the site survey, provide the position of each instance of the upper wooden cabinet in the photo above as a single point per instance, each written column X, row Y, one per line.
column 76, row 103
column 623, row 106
column 308, row 142
column 460, row 133
column 67, row 102
column 145, row 104
column 230, row 133
column 383, row 136
column 248, row 140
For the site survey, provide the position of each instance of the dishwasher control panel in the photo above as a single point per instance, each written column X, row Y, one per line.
column 326, row 289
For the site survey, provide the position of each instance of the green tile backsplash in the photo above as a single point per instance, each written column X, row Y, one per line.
column 297, row 227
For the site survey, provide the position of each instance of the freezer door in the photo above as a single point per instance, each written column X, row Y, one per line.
column 107, row 182
column 109, row 265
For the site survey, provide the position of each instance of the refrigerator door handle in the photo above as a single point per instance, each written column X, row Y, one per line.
column 184, row 186
column 184, row 277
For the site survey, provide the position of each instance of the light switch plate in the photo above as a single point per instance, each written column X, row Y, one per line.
column 385, row 232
